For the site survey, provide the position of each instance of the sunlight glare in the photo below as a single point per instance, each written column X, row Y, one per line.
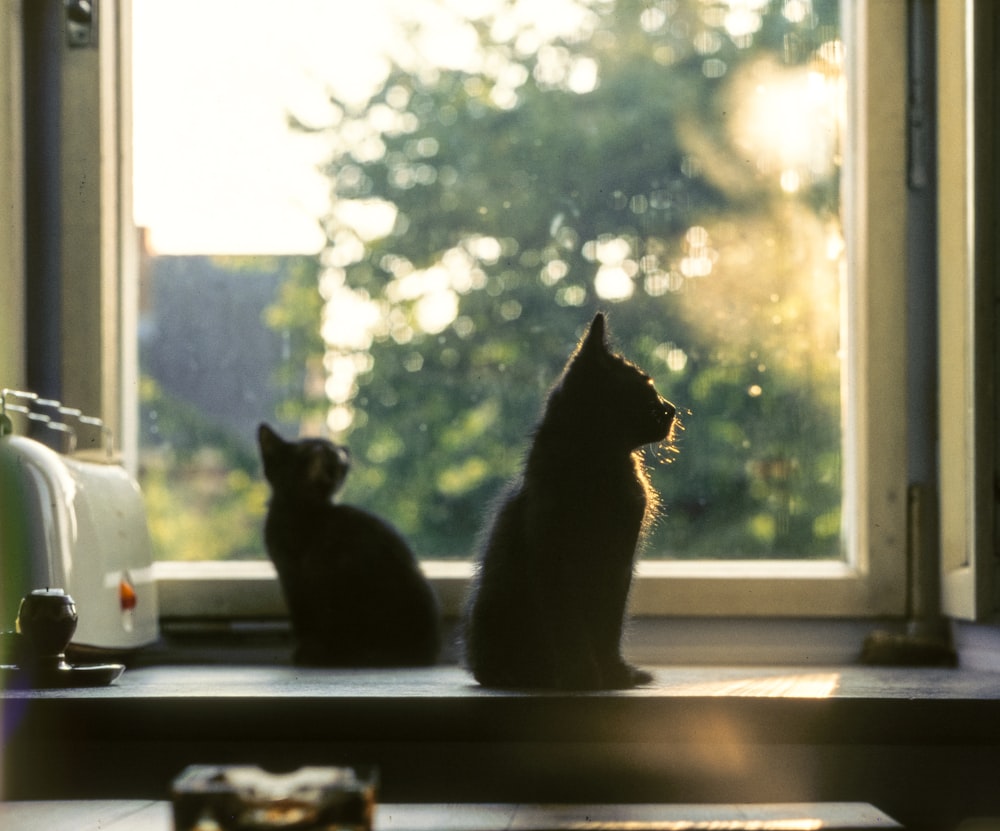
column 795, row 11
column 436, row 310
column 217, row 170
column 338, row 419
column 370, row 219
column 349, row 318
column 805, row 685
column 700, row 257
column 804, row 823
column 485, row 249
column 790, row 181
column 583, row 76
column 672, row 355
column 788, row 121
column 340, row 374
column 537, row 23
column 346, row 249
column 553, row 272
column 613, row 283
column 612, row 250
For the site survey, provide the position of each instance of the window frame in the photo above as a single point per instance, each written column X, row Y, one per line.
column 12, row 332
column 968, row 34
column 872, row 584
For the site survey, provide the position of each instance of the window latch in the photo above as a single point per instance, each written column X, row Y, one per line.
column 81, row 23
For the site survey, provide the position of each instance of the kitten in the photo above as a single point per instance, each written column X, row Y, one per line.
column 354, row 591
column 548, row 607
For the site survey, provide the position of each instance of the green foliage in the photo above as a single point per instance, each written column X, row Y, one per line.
column 203, row 497
column 515, row 198
column 598, row 170
column 200, row 474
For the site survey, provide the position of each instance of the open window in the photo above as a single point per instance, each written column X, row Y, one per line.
column 967, row 297
column 822, row 510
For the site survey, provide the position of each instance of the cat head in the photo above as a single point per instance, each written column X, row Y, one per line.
column 610, row 397
column 310, row 469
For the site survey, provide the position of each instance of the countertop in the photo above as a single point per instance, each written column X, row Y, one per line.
column 138, row 815
column 920, row 744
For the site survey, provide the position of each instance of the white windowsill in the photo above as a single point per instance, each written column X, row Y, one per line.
column 218, row 592
column 256, row 593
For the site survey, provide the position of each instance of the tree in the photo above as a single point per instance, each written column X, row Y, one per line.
column 598, row 170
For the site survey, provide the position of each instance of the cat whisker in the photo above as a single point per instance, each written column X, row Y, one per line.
column 665, row 451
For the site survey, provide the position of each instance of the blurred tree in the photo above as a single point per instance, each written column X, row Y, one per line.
column 206, row 358
column 480, row 216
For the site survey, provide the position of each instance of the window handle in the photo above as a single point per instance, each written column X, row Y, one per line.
column 81, row 17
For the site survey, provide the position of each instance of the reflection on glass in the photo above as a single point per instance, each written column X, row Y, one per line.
column 512, row 168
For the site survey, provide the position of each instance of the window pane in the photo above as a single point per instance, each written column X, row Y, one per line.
column 489, row 175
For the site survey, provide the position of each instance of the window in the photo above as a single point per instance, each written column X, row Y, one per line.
column 464, row 249
column 967, row 298
column 855, row 565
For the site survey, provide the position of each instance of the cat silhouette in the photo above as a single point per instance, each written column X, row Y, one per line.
column 547, row 606
column 355, row 592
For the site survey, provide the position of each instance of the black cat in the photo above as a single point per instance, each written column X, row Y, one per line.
column 354, row 591
column 548, row 606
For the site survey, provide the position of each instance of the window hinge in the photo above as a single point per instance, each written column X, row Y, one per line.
column 926, row 639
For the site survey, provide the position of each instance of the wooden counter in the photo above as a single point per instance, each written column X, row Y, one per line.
column 156, row 816
column 919, row 744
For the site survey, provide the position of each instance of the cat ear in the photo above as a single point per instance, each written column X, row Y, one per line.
column 596, row 337
column 268, row 439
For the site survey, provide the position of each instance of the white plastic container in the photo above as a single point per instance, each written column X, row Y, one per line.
column 78, row 526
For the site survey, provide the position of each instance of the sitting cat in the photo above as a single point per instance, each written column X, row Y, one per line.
column 548, row 606
column 354, row 591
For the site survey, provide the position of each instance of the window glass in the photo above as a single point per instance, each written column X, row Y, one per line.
column 389, row 223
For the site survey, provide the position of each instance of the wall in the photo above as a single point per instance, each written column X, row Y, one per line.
column 11, row 190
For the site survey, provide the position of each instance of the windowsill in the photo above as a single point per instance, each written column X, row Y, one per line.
column 648, row 641
column 701, row 588
column 237, row 602
column 201, row 683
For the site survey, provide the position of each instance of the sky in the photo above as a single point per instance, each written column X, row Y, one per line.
column 216, row 169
